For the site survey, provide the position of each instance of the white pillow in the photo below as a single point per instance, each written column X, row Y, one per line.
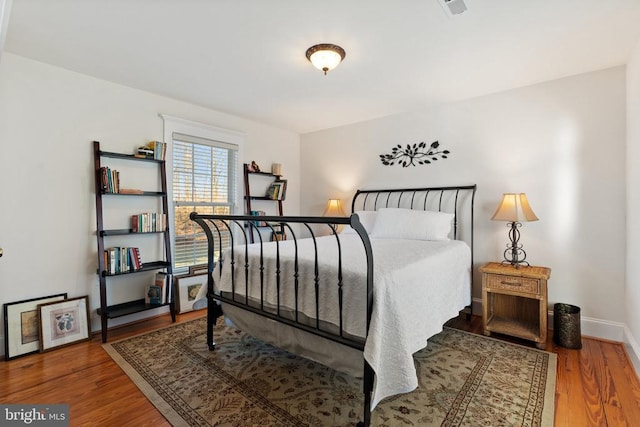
column 367, row 219
column 398, row 223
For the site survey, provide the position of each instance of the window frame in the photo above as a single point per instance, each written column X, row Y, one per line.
column 174, row 125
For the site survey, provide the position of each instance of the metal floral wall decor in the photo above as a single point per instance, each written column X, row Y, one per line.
column 414, row 155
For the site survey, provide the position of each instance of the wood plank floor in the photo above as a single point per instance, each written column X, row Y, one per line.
column 595, row 385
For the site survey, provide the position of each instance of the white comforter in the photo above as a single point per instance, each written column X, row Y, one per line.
column 418, row 286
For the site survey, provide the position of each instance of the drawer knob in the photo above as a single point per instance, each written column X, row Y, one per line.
column 504, row 282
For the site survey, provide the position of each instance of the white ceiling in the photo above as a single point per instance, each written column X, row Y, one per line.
column 247, row 57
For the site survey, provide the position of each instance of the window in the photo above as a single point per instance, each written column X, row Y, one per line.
column 204, row 179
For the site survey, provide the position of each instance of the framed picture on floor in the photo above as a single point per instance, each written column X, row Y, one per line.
column 187, row 290
column 64, row 322
column 21, row 326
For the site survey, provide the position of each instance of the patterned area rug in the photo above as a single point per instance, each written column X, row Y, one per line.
column 465, row 380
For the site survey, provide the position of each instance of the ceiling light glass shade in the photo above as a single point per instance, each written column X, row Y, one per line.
column 325, row 56
column 514, row 207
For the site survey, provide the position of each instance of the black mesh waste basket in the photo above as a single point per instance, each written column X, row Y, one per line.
column 566, row 326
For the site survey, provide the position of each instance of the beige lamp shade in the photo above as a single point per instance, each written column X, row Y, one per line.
column 514, row 207
column 334, row 208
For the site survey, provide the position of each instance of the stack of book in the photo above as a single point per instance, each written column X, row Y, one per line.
column 122, row 260
column 148, row 222
column 160, row 291
column 259, row 223
column 277, row 190
column 110, row 180
column 159, row 149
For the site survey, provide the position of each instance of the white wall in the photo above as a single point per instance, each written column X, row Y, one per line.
column 632, row 289
column 48, row 118
column 561, row 142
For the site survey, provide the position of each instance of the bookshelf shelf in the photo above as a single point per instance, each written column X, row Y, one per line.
column 127, row 308
column 136, row 305
column 126, row 231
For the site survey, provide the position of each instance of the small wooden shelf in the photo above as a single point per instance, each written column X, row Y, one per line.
column 514, row 327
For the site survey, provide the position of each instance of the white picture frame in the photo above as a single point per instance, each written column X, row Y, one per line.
column 187, row 289
column 64, row 322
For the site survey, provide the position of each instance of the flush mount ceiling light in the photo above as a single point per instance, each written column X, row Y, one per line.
column 325, row 56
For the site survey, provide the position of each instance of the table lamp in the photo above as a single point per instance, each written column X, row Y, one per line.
column 334, row 208
column 514, row 208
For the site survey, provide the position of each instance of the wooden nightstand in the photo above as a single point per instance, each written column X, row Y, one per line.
column 514, row 301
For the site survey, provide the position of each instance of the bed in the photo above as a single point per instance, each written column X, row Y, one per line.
column 360, row 294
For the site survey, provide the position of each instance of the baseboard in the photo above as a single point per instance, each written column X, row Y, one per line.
column 633, row 349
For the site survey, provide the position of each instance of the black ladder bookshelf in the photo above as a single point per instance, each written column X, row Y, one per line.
column 107, row 311
column 249, row 196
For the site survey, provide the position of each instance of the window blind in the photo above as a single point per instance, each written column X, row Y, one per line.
column 204, row 181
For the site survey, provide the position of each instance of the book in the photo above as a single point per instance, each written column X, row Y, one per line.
column 163, row 280
column 130, row 191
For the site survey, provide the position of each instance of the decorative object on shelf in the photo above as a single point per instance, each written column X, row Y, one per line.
column 21, row 326
column 187, row 289
column 514, row 208
column 325, row 56
column 144, row 152
column 334, row 208
column 276, row 169
column 414, row 155
column 253, row 167
column 64, row 322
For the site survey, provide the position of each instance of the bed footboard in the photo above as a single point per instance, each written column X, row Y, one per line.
column 228, row 240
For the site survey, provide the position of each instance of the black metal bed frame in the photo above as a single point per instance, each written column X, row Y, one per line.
column 237, row 227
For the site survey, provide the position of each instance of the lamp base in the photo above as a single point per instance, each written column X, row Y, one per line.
column 514, row 254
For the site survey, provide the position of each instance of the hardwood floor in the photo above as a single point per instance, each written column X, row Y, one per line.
column 595, row 385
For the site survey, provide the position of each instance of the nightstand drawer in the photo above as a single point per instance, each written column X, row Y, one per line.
column 511, row 283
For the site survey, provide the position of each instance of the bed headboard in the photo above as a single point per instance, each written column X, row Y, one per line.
column 458, row 200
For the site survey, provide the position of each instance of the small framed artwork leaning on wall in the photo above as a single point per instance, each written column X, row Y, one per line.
column 187, row 289
column 64, row 322
column 21, row 326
